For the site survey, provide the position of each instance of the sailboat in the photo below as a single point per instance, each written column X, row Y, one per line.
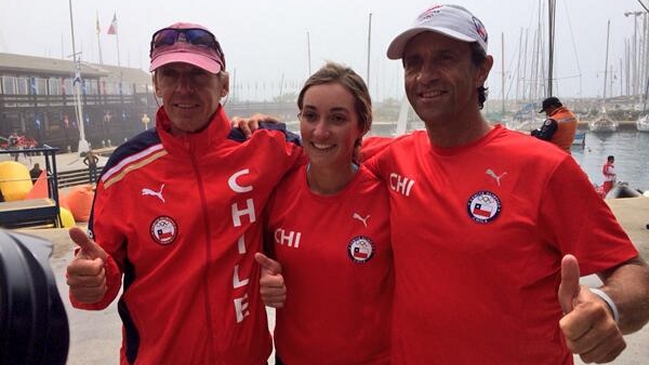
column 527, row 117
column 604, row 123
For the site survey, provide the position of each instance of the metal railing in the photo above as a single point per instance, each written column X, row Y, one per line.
column 75, row 177
column 35, row 212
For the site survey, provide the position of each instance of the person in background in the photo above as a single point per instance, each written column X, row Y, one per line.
column 608, row 170
column 488, row 228
column 13, row 144
column 177, row 216
column 91, row 161
column 35, row 172
column 328, row 229
column 146, row 120
column 560, row 125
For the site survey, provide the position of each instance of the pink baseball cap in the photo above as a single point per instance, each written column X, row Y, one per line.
column 450, row 20
column 187, row 43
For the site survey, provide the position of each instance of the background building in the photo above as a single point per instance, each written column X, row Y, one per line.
column 37, row 100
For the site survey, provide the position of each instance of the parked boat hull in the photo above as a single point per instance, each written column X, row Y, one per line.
column 643, row 123
column 603, row 124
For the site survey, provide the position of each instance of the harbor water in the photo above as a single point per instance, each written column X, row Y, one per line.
column 631, row 151
column 629, row 146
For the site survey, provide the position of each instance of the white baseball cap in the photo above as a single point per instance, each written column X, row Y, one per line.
column 450, row 20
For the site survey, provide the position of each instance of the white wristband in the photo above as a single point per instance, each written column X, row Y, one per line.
column 609, row 302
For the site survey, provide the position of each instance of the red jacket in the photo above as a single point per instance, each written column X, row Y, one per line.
column 180, row 219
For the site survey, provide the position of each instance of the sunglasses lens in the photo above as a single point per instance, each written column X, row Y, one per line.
column 166, row 37
column 199, row 37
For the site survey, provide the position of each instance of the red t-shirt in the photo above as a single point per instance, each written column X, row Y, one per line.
column 337, row 265
column 478, row 233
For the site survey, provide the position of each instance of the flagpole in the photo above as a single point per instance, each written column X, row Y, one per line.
column 83, row 144
column 114, row 29
column 121, row 75
column 119, row 64
column 101, row 58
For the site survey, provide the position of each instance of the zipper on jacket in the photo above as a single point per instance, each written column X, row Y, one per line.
column 208, row 250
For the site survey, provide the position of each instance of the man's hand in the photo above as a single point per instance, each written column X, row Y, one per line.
column 86, row 274
column 271, row 282
column 249, row 125
column 588, row 325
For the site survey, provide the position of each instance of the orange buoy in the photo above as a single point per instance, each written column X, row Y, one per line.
column 39, row 190
column 79, row 200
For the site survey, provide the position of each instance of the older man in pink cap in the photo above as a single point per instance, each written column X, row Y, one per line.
column 176, row 215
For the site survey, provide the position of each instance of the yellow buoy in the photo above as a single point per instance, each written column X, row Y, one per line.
column 15, row 182
column 67, row 218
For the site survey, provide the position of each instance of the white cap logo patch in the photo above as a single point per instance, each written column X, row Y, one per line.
column 481, row 30
column 164, row 230
column 360, row 249
column 484, row 206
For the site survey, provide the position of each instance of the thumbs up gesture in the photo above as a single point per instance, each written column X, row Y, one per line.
column 588, row 326
column 86, row 274
column 271, row 282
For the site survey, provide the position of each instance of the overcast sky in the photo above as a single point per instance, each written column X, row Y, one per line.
column 265, row 41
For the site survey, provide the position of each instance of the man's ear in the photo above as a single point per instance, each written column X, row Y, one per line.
column 156, row 90
column 226, row 84
column 484, row 69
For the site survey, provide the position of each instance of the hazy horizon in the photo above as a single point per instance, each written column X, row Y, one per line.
column 265, row 42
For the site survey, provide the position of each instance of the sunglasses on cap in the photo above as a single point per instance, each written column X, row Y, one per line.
column 194, row 36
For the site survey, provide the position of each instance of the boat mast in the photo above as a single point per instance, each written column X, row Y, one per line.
column 518, row 68
column 551, row 16
column 308, row 52
column 369, row 40
column 502, row 66
column 525, row 82
column 608, row 31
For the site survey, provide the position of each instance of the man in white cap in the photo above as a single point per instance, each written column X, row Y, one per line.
column 487, row 225
column 176, row 215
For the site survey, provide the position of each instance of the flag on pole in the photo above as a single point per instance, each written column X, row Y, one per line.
column 113, row 25
column 98, row 27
